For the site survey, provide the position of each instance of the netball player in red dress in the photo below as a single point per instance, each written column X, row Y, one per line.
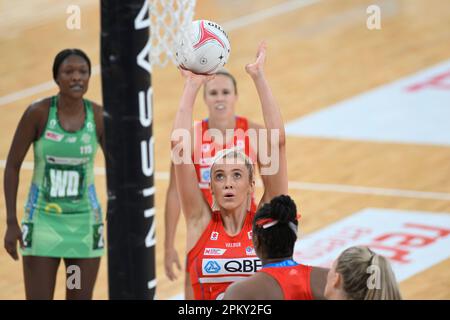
column 220, row 242
column 220, row 95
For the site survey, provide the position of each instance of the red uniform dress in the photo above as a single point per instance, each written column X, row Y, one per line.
column 294, row 279
column 217, row 259
column 205, row 149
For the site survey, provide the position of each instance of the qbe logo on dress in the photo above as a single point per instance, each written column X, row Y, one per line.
column 230, row 267
column 211, row 266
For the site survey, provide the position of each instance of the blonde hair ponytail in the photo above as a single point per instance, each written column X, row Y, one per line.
column 387, row 288
column 367, row 275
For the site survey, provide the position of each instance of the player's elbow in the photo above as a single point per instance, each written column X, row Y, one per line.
column 277, row 138
column 282, row 138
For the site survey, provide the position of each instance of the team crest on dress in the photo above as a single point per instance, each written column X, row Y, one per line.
column 86, row 138
column 214, row 235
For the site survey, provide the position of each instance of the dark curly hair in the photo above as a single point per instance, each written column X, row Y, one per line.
column 278, row 240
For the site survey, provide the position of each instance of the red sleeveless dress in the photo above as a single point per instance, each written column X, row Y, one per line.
column 218, row 259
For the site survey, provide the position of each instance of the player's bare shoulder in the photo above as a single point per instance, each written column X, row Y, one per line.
column 98, row 113
column 39, row 108
column 96, row 108
column 37, row 113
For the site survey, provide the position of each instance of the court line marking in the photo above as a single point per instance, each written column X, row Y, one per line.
column 230, row 25
column 310, row 186
column 18, row 95
column 270, row 12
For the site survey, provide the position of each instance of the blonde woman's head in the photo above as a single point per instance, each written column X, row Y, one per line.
column 360, row 274
column 232, row 179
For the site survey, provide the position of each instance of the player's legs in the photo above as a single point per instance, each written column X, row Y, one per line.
column 40, row 277
column 86, row 269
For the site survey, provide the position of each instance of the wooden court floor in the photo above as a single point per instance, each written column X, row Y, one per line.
column 318, row 54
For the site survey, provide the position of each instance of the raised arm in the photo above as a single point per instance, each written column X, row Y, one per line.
column 271, row 155
column 189, row 193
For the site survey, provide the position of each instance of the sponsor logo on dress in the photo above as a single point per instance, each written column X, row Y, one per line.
column 211, row 266
column 214, row 251
column 66, row 161
column 90, row 126
column 250, row 235
column 54, row 136
column 71, row 139
column 231, row 266
column 233, row 245
column 250, row 251
column 205, row 174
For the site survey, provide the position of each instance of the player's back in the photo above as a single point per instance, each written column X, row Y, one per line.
column 294, row 279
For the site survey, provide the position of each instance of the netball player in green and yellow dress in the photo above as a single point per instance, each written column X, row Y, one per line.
column 62, row 218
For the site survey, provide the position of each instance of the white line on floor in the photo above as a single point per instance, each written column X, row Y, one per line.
column 309, row 186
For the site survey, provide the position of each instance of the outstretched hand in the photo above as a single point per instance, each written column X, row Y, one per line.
column 195, row 78
column 256, row 68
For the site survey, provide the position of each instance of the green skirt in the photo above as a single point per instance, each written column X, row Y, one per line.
column 63, row 235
